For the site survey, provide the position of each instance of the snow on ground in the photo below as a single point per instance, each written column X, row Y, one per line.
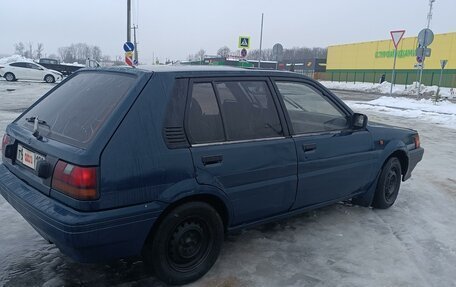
column 442, row 113
column 384, row 88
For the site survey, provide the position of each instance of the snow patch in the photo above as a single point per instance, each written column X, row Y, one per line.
column 14, row 58
column 441, row 113
column 384, row 88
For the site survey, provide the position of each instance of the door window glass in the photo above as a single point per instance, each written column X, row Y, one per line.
column 309, row 110
column 248, row 110
column 204, row 121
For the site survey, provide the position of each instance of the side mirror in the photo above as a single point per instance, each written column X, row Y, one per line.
column 359, row 121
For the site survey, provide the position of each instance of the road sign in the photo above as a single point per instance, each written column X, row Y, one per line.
column 244, row 53
column 423, row 52
column 128, row 47
column 397, row 36
column 277, row 52
column 425, row 37
column 129, row 58
column 244, row 42
column 419, row 59
column 443, row 63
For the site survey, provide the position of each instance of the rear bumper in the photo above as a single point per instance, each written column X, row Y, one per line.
column 83, row 236
column 414, row 157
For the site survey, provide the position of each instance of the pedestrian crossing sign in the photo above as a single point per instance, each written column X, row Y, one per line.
column 244, row 42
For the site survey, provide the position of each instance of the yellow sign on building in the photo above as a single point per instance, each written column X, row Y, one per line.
column 379, row 55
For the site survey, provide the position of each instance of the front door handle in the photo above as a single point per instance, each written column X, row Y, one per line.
column 309, row 147
column 211, row 159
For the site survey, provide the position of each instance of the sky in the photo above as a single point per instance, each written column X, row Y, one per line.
column 174, row 29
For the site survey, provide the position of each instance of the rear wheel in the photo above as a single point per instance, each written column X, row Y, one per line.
column 388, row 184
column 49, row 79
column 186, row 243
column 9, row 77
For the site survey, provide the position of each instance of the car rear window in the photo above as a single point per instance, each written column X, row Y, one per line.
column 76, row 110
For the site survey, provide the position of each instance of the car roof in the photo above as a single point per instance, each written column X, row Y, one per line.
column 200, row 71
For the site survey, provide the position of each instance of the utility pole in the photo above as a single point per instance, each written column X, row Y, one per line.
column 128, row 20
column 429, row 17
column 261, row 40
column 135, row 43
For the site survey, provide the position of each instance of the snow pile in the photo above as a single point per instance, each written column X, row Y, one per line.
column 14, row 58
column 76, row 64
column 441, row 113
column 384, row 88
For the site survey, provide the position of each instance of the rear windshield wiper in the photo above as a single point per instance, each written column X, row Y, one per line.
column 36, row 122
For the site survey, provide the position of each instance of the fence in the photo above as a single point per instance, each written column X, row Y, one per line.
column 404, row 77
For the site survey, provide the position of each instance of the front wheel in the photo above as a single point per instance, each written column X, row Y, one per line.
column 49, row 79
column 186, row 243
column 388, row 184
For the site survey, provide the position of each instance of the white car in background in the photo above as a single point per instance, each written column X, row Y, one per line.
column 28, row 71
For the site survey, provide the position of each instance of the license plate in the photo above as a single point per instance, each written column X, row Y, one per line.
column 27, row 158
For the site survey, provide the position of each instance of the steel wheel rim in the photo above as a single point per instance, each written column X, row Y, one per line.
column 189, row 245
column 391, row 184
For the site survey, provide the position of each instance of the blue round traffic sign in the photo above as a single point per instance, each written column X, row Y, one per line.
column 129, row 47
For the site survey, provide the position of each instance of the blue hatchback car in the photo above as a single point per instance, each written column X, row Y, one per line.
column 163, row 162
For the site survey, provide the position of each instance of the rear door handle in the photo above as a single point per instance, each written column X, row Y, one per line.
column 211, row 159
column 309, row 147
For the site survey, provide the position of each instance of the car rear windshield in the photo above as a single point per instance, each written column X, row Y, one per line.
column 76, row 110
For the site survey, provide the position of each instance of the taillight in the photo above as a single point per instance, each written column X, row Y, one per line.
column 5, row 141
column 417, row 141
column 75, row 181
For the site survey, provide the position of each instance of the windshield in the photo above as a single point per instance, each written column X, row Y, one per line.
column 77, row 109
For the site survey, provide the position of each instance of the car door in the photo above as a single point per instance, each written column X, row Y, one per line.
column 334, row 162
column 239, row 146
column 20, row 70
column 35, row 72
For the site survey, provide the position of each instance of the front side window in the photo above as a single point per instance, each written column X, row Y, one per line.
column 248, row 110
column 204, row 121
column 309, row 110
column 33, row 66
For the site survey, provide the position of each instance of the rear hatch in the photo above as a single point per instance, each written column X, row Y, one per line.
column 72, row 123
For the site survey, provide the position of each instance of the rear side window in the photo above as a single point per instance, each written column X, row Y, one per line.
column 204, row 121
column 248, row 110
column 21, row 65
column 77, row 109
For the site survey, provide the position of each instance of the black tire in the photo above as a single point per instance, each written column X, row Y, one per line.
column 49, row 79
column 186, row 243
column 10, row 77
column 388, row 184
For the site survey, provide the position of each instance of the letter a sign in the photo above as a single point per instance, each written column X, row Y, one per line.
column 244, row 42
column 397, row 36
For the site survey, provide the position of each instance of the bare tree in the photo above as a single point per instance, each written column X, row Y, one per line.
column 224, row 52
column 39, row 50
column 96, row 53
column 53, row 56
column 19, row 48
column 200, row 55
column 28, row 53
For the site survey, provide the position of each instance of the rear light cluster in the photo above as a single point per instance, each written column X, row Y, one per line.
column 75, row 181
column 5, row 141
column 416, row 138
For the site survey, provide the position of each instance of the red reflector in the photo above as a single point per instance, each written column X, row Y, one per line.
column 417, row 141
column 6, row 140
column 75, row 181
